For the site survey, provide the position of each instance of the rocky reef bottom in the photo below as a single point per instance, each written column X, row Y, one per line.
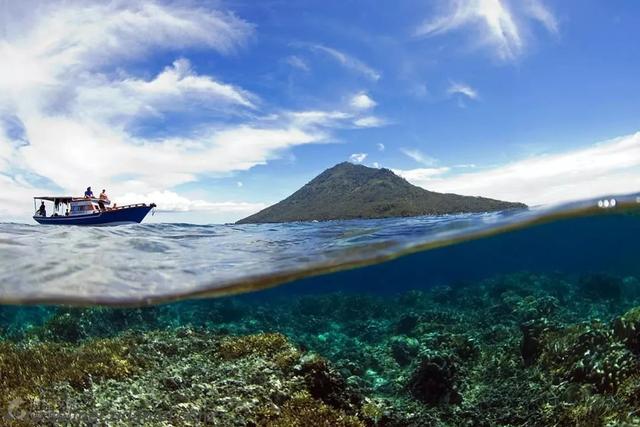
column 515, row 350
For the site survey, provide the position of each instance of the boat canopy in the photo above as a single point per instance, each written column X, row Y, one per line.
column 62, row 199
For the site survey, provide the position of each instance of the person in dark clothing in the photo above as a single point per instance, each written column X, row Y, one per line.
column 88, row 194
column 43, row 210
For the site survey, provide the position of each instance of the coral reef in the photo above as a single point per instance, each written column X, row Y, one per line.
column 521, row 349
column 433, row 381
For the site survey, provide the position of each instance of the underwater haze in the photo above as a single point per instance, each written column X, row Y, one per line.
column 528, row 318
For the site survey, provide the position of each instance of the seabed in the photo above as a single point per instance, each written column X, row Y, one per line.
column 517, row 349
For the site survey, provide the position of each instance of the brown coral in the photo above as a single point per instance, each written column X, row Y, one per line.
column 302, row 410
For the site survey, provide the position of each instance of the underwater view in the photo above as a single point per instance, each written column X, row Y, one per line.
column 279, row 213
column 486, row 319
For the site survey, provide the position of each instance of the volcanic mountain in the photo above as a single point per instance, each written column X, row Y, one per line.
column 350, row 191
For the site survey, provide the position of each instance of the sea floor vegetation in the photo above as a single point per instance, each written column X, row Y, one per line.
column 516, row 350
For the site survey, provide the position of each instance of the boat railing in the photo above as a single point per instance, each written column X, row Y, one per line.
column 136, row 205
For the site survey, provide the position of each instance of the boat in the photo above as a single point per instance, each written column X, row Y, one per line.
column 68, row 210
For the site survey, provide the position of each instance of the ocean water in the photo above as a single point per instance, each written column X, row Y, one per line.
column 514, row 318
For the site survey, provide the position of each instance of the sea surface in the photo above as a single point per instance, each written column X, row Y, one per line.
column 510, row 318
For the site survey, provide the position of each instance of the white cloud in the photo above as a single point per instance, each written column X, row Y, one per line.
column 168, row 201
column 369, row 122
column 239, row 184
column 176, row 88
column 421, row 176
column 611, row 167
column 376, row 165
column 58, row 38
column 69, row 152
column 456, row 88
column 357, row 157
column 380, row 146
column 499, row 24
column 418, row 156
column 317, row 117
column 362, row 101
column 105, row 154
column 180, row 80
column 348, row 61
column 6, row 151
column 15, row 197
column 297, row 62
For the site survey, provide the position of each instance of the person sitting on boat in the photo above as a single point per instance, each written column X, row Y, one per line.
column 103, row 198
column 88, row 194
column 43, row 210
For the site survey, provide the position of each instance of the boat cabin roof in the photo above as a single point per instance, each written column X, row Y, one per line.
column 63, row 199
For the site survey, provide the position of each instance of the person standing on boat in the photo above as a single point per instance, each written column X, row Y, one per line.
column 88, row 194
column 43, row 210
column 103, row 198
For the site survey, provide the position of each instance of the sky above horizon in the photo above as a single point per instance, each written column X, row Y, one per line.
column 216, row 109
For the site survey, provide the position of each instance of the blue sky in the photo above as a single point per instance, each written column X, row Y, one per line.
column 216, row 109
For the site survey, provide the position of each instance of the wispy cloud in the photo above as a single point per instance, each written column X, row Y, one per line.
column 499, row 24
column 297, row 62
column 357, row 157
column 611, row 167
column 369, row 122
column 350, row 62
column 457, row 88
column 418, row 156
column 380, row 146
column 537, row 10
